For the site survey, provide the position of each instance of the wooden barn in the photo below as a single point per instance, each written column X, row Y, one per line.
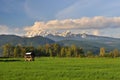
column 29, row 56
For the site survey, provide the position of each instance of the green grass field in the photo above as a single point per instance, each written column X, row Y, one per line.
column 60, row 69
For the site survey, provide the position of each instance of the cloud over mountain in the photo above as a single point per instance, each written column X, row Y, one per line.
column 3, row 29
column 98, row 22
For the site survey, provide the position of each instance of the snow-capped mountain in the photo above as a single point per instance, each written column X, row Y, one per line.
column 66, row 35
column 36, row 33
column 56, row 36
column 46, row 33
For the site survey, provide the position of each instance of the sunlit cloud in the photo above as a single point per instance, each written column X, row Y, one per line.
column 98, row 22
column 96, row 32
column 3, row 29
column 97, row 25
column 7, row 30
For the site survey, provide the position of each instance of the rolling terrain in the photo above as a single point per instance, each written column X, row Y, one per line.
column 87, row 42
column 25, row 41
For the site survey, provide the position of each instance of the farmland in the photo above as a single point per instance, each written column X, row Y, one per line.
column 60, row 69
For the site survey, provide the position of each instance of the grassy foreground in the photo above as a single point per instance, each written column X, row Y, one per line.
column 61, row 69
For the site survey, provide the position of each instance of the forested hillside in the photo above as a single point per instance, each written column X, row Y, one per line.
column 15, row 40
column 90, row 43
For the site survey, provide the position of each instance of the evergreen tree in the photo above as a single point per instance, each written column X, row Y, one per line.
column 47, row 49
column 40, row 51
column 15, row 52
column 7, row 50
column 80, row 52
column 89, row 54
column 23, row 51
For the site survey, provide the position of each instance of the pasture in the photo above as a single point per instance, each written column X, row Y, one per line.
column 60, row 69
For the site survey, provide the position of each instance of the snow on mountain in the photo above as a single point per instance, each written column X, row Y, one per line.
column 66, row 35
column 56, row 36
column 46, row 33
column 36, row 33
column 84, row 35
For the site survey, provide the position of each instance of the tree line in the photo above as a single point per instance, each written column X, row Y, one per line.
column 54, row 50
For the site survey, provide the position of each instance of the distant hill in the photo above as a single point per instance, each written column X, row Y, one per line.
column 93, row 44
column 14, row 40
column 87, row 42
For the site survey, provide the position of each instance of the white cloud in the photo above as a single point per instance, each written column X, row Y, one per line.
column 9, row 30
column 17, row 31
column 3, row 29
column 98, row 22
column 98, row 25
column 96, row 32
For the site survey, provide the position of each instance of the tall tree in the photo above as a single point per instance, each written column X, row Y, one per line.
column 102, row 52
column 68, row 51
column 62, row 52
column 89, row 54
column 116, row 53
column 74, row 51
column 23, row 51
column 80, row 52
column 56, row 49
column 40, row 51
column 49, row 50
column 15, row 52
column 7, row 50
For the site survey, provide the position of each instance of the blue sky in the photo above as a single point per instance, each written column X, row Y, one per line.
column 17, row 15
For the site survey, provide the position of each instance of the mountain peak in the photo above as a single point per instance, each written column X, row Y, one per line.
column 65, row 34
column 45, row 33
column 83, row 35
column 36, row 33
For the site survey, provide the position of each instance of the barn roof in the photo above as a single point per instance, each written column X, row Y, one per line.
column 28, row 53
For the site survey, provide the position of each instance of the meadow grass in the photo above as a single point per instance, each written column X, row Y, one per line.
column 60, row 69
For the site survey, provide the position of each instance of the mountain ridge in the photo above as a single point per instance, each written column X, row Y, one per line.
column 66, row 35
column 89, row 42
column 26, row 41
